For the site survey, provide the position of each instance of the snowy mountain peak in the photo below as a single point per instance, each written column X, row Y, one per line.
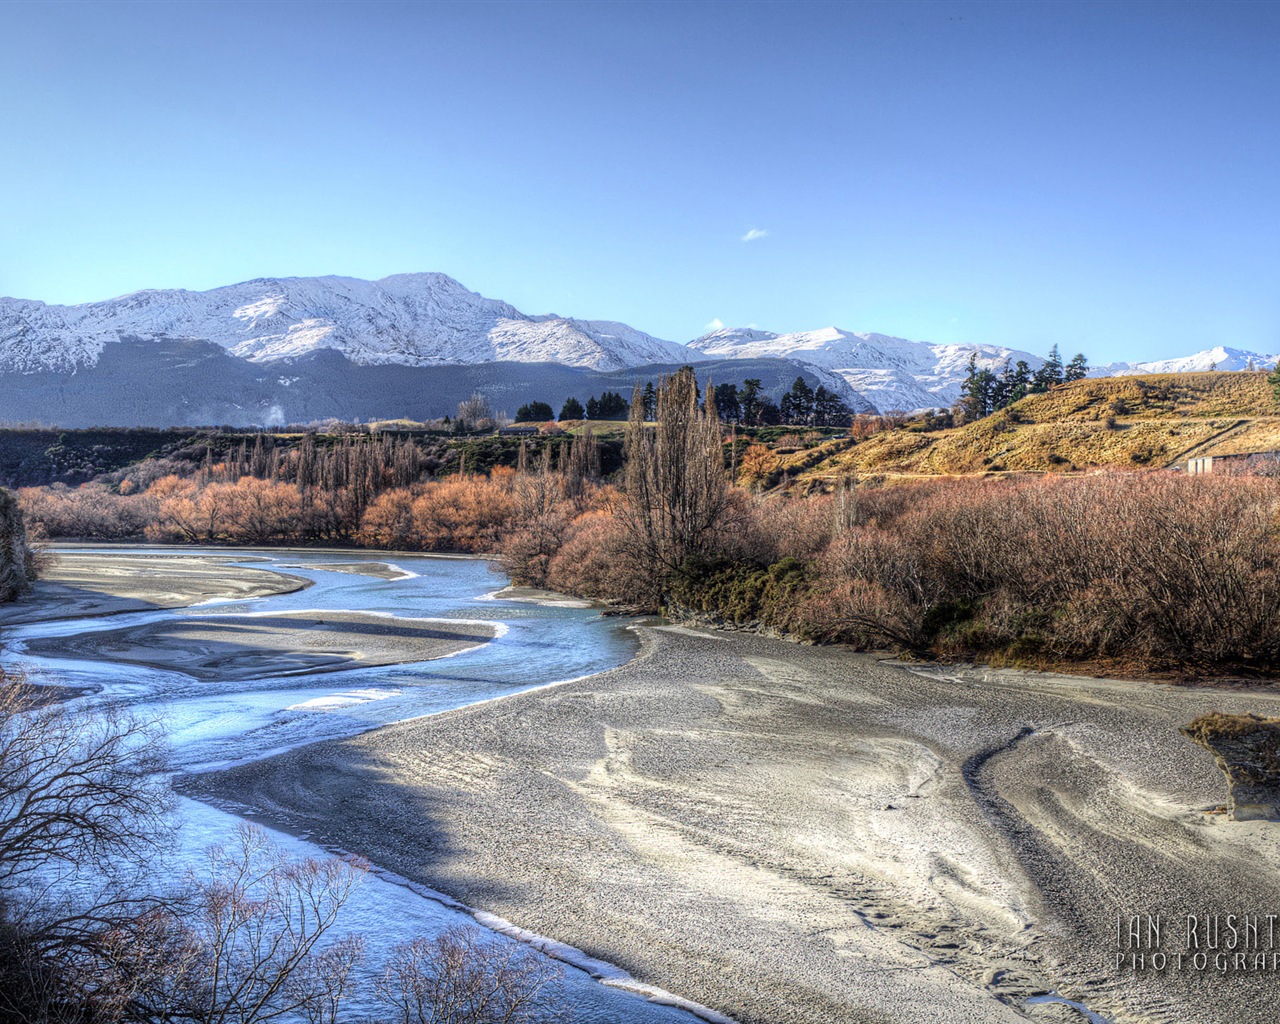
column 892, row 373
column 1220, row 357
column 430, row 319
column 408, row 319
column 730, row 335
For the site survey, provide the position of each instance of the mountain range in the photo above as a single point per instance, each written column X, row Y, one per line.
column 276, row 350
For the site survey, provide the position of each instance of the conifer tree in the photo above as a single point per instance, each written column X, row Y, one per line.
column 749, row 399
column 1077, row 369
column 649, row 400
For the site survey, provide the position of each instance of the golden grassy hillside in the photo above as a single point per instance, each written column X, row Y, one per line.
column 1129, row 422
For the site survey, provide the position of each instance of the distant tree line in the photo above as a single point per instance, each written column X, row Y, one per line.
column 609, row 406
column 746, row 404
column 984, row 391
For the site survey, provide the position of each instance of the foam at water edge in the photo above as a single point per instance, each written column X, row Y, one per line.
column 405, row 574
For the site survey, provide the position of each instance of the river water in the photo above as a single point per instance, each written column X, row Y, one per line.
column 217, row 723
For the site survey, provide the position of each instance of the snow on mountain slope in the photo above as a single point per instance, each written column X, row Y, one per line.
column 892, row 373
column 1220, row 357
column 432, row 320
column 407, row 319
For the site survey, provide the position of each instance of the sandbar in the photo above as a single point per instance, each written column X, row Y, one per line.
column 256, row 645
column 76, row 585
column 378, row 570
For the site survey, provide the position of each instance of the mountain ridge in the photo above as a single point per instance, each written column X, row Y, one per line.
column 428, row 319
column 408, row 319
column 890, row 372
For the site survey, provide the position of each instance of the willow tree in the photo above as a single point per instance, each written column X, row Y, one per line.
column 677, row 495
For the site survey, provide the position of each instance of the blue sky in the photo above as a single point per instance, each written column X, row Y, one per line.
column 1098, row 175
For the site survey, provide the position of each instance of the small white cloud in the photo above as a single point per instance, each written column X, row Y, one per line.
column 753, row 234
column 715, row 325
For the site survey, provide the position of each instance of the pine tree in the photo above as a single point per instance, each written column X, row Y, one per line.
column 829, row 410
column 649, row 401
column 1020, row 381
column 1049, row 374
column 976, row 390
column 727, row 405
column 535, row 412
column 768, row 414
column 749, row 401
column 797, row 404
column 1001, row 387
column 1077, row 369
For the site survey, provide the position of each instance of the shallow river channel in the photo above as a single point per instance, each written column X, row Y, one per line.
column 216, row 722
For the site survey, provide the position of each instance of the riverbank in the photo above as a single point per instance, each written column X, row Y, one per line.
column 77, row 585
column 806, row 835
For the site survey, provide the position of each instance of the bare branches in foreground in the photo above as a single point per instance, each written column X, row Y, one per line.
column 89, row 934
column 463, row 977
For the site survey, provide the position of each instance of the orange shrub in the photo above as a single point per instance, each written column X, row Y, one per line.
column 598, row 560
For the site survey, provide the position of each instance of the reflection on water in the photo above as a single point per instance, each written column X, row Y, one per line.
column 218, row 722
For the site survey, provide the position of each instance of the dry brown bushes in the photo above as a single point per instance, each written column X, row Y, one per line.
column 1145, row 567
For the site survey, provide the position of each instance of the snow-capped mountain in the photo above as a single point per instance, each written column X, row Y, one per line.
column 416, row 334
column 891, row 373
column 407, row 319
column 1220, row 357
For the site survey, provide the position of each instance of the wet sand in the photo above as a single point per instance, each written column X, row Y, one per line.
column 79, row 585
column 806, row 835
column 536, row 595
column 378, row 570
column 238, row 647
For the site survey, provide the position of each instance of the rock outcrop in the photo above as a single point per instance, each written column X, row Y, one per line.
column 1248, row 751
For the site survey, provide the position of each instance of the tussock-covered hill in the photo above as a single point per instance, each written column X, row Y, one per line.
column 1157, row 420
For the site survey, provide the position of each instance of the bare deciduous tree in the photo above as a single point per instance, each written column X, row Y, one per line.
column 248, row 943
column 78, row 790
column 249, row 939
column 464, row 977
column 677, row 487
column 474, row 412
column 82, row 809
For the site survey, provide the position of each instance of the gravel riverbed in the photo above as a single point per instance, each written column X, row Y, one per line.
column 802, row 834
